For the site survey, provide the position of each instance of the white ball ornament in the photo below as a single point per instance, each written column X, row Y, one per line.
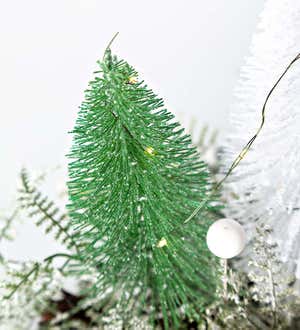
column 226, row 238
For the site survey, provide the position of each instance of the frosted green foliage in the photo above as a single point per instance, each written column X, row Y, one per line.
column 24, row 308
column 134, row 179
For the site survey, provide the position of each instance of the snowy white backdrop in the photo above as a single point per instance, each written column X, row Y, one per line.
column 189, row 52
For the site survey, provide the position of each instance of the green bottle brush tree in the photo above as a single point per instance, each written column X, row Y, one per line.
column 134, row 179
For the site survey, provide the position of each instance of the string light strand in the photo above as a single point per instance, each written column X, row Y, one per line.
column 248, row 145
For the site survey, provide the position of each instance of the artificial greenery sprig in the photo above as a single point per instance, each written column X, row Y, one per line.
column 39, row 207
column 46, row 213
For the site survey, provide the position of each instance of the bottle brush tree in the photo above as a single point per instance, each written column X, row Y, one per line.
column 134, row 178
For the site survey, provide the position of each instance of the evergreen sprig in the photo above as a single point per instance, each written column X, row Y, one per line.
column 134, row 179
column 26, row 292
column 45, row 212
column 7, row 223
column 21, row 277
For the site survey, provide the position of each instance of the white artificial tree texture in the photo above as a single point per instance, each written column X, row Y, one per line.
column 265, row 187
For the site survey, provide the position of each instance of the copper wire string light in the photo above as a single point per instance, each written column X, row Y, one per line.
column 248, row 145
column 241, row 155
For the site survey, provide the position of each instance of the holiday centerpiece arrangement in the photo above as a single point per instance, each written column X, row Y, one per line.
column 155, row 238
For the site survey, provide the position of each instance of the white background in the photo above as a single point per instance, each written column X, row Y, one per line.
column 188, row 51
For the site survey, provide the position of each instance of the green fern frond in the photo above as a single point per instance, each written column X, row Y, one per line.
column 45, row 212
column 19, row 277
column 6, row 225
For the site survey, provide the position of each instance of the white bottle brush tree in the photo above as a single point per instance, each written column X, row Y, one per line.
column 266, row 186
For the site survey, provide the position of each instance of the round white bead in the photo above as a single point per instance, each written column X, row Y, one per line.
column 226, row 238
